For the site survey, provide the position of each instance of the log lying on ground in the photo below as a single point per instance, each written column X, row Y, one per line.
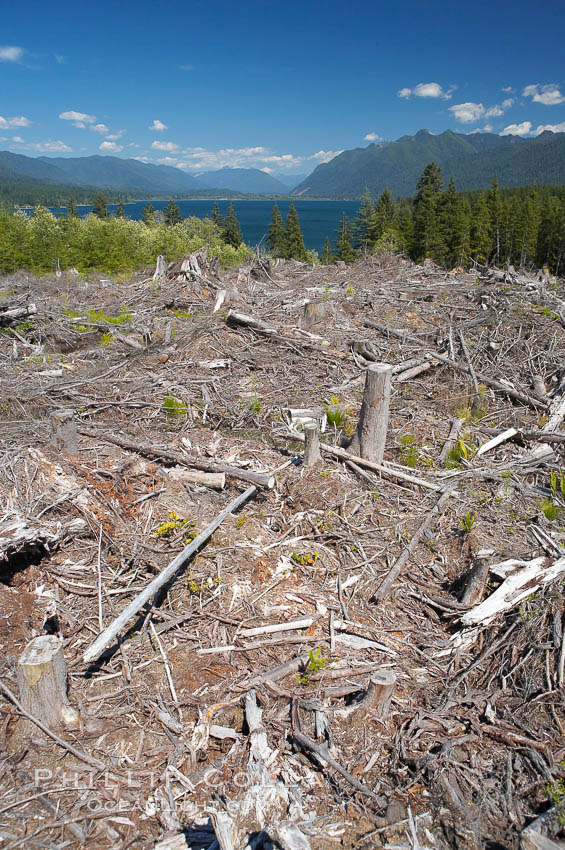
column 386, row 585
column 19, row 535
column 521, row 578
column 258, row 478
column 485, row 379
column 377, row 467
column 8, row 315
column 216, row 480
column 106, row 637
column 42, row 682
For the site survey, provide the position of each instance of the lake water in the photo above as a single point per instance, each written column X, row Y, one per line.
column 318, row 219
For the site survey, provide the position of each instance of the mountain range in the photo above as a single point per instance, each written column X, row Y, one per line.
column 472, row 159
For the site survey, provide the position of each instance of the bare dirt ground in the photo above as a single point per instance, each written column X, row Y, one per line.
column 474, row 731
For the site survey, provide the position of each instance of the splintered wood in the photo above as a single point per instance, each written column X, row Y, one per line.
column 286, row 542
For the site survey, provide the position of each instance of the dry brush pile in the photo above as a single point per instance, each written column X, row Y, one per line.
column 355, row 654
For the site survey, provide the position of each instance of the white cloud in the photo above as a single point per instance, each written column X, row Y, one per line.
column 467, row 112
column 506, row 104
column 427, row 90
column 110, row 147
column 549, row 95
column 16, row 121
column 372, row 137
column 507, row 89
column 523, row 129
column 79, row 119
column 157, row 126
column 486, row 129
column 115, row 135
column 324, row 156
column 60, row 59
column 553, row 128
column 165, row 146
column 49, row 146
column 11, row 53
column 494, row 112
column 100, row 128
column 186, row 67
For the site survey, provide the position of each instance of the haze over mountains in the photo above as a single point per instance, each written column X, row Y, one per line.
column 472, row 159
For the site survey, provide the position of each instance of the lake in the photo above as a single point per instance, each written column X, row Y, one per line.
column 318, row 219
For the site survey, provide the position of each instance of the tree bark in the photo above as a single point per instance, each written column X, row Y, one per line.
column 42, row 682
column 370, row 438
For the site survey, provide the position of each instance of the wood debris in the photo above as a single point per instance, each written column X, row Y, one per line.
column 268, row 644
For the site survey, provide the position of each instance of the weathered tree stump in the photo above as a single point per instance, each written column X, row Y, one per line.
column 370, row 438
column 382, row 682
column 64, row 431
column 42, row 682
column 312, row 445
column 314, row 312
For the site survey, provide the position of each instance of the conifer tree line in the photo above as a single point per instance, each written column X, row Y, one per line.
column 286, row 240
column 522, row 227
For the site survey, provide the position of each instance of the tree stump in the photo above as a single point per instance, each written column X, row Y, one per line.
column 42, row 683
column 312, row 445
column 64, row 431
column 370, row 438
column 314, row 312
column 383, row 682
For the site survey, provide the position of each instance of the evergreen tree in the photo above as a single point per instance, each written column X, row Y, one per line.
column 495, row 212
column 343, row 249
column 72, row 211
column 121, row 212
column 327, row 256
column 275, row 235
column 427, row 238
column 148, row 214
column 455, row 227
column 293, row 239
column 217, row 216
column 172, row 214
column 364, row 224
column 385, row 216
column 480, row 230
column 231, row 229
column 99, row 207
column 528, row 224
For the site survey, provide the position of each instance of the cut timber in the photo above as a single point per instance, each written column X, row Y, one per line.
column 64, row 431
column 42, row 682
column 246, row 321
column 260, row 479
column 370, row 438
column 18, row 535
column 13, row 314
column 216, row 480
column 377, row 467
column 312, row 445
column 107, row 636
column 556, row 416
column 387, row 583
column 496, row 441
column 522, row 579
column 454, row 431
column 485, row 379
column 376, row 699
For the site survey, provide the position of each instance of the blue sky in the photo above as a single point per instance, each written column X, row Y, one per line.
column 278, row 86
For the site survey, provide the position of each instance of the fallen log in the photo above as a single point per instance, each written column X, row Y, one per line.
column 386, row 585
column 442, row 358
column 521, row 578
column 377, row 467
column 258, row 478
column 105, row 638
column 19, row 535
column 14, row 314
